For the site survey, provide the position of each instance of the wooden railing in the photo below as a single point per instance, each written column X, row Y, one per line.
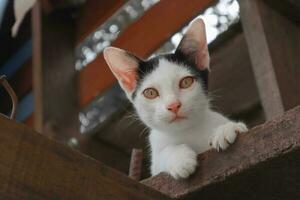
column 262, row 164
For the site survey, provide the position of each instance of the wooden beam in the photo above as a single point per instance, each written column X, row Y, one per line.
column 163, row 19
column 288, row 8
column 54, row 76
column 231, row 81
column 93, row 147
column 35, row 167
column 261, row 164
column 274, row 46
column 93, row 14
column 37, row 65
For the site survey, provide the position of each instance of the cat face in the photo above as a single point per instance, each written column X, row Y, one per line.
column 168, row 91
column 171, row 97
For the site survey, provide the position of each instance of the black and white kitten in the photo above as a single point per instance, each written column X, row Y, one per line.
column 169, row 93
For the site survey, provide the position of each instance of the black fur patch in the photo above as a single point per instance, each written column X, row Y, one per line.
column 146, row 67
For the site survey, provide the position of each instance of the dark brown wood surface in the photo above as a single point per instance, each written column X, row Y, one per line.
column 288, row 8
column 142, row 37
column 34, row 167
column 274, row 46
column 55, row 83
column 262, row 164
column 93, row 14
column 37, row 65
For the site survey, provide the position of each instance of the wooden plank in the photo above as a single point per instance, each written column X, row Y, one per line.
column 163, row 19
column 260, row 162
column 37, row 66
column 231, row 83
column 94, row 14
column 288, row 8
column 55, row 84
column 35, row 167
column 274, row 46
column 93, row 147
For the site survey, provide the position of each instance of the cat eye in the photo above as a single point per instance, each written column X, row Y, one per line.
column 150, row 93
column 186, row 82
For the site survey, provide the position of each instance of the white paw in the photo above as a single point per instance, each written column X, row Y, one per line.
column 226, row 134
column 182, row 162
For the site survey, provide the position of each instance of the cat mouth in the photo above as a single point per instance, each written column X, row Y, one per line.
column 177, row 118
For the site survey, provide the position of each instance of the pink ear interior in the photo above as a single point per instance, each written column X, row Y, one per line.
column 127, row 78
column 194, row 44
column 124, row 66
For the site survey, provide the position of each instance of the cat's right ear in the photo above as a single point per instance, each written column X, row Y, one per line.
column 124, row 66
column 194, row 45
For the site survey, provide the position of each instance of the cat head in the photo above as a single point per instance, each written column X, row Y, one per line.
column 167, row 91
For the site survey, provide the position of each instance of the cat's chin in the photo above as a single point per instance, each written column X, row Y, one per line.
column 176, row 126
column 177, row 119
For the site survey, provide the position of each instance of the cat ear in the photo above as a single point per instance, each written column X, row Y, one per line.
column 194, row 46
column 124, row 66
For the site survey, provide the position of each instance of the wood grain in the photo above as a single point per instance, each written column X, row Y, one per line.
column 274, row 46
column 34, row 167
column 55, row 83
column 93, row 14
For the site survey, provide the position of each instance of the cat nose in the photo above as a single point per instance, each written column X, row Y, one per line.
column 174, row 107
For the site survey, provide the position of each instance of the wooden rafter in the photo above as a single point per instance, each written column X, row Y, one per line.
column 142, row 37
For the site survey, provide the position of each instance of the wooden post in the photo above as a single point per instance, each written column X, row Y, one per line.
column 274, row 47
column 54, row 73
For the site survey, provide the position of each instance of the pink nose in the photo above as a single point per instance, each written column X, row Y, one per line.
column 174, row 107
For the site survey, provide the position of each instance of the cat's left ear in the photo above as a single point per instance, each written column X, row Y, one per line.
column 194, row 45
column 124, row 66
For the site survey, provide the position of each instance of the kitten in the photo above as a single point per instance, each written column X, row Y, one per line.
column 169, row 93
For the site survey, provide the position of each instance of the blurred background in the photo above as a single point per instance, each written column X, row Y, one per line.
column 66, row 91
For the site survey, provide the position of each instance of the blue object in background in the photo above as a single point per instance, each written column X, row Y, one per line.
column 3, row 4
column 25, row 107
column 17, row 60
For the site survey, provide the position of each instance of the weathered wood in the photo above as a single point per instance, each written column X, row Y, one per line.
column 94, row 14
column 262, row 164
column 231, row 81
column 34, row 167
column 54, row 73
column 274, row 46
column 37, row 66
column 109, row 155
column 163, row 19
column 288, row 8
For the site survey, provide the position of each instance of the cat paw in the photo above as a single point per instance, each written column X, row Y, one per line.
column 226, row 134
column 182, row 162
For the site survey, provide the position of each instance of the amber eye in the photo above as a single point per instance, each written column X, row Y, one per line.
column 186, row 82
column 150, row 93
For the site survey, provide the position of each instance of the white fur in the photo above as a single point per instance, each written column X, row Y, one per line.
column 174, row 146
